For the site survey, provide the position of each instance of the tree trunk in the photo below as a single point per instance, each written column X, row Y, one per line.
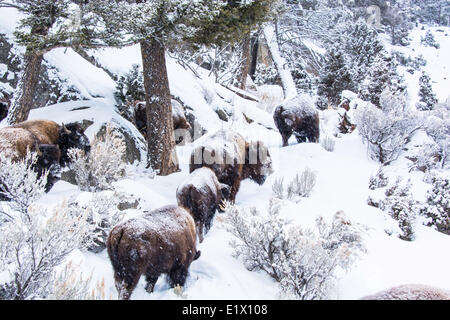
column 162, row 156
column 289, row 89
column 246, row 61
column 22, row 101
column 254, row 55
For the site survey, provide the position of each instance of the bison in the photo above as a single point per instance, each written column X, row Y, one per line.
column 162, row 241
column 47, row 159
column 232, row 159
column 201, row 195
column 299, row 117
column 3, row 110
column 140, row 117
column 411, row 292
column 65, row 136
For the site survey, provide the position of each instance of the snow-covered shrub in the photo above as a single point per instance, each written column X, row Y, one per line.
column 427, row 157
column 437, row 206
column 401, row 206
column 302, row 261
column 103, row 165
column 302, row 184
column 379, row 180
column 266, row 75
column 328, row 143
column 32, row 245
column 278, row 188
column 427, row 97
column 20, row 183
column 102, row 214
column 68, row 284
column 430, row 41
column 439, row 129
column 386, row 131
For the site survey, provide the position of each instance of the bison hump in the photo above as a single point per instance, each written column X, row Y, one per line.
column 300, row 106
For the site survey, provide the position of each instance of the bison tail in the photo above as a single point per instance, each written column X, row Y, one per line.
column 113, row 245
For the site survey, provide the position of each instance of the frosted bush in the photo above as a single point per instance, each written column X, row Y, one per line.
column 68, row 284
column 102, row 214
column 386, row 131
column 379, row 180
column 104, row 163
column 302, row 185
column 302, row 261
column 33, row 245
column 20, row 183
column 328, row 143
column 278, row 188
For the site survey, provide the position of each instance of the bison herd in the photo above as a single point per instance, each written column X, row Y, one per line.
column 163, row 241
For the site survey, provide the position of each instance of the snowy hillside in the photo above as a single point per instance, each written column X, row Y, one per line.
column 342, row 174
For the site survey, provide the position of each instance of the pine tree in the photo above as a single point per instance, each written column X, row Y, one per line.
column 335, row 76
column 437, row 206
column 381, row 74
column 427, row 97
column 362, row 46
column 430, row 41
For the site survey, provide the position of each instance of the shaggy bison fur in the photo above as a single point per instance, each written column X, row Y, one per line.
column 3, row 110
column 140, row 117
column 232, row 159
column 411, row 292
column 202, row 195
column 162, row 241
column 65, row 136
column 299, row 117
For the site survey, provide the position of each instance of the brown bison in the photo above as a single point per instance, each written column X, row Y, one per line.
column 49, row 132
column 201, row 195
column 232, row 159
column 3, row 110
column 411, row 292
column 48, row 156
column 140, row 117
column 299, row 117
column 162, row 241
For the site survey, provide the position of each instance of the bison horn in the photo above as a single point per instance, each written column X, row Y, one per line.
column 38, row 151
column 65, row 129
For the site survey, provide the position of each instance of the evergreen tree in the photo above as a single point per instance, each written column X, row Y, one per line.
column 430, row 41
column 381, row 74
column 427, row 97
column 362, row 46
column 335, row 76
column 437, row 206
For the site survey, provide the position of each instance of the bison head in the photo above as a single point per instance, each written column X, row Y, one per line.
column 48, row 159
column 72, row 136
column 258, row 163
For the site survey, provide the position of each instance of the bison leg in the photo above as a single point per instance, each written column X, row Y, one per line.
column 126, row 284
column 234, row 189
column 285, row 138
column 151, row 277
column 199, row 227
column 178, row 275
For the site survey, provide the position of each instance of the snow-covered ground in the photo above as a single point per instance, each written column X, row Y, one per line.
column 342, row 182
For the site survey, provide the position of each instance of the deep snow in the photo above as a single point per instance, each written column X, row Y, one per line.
column 342, row 181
